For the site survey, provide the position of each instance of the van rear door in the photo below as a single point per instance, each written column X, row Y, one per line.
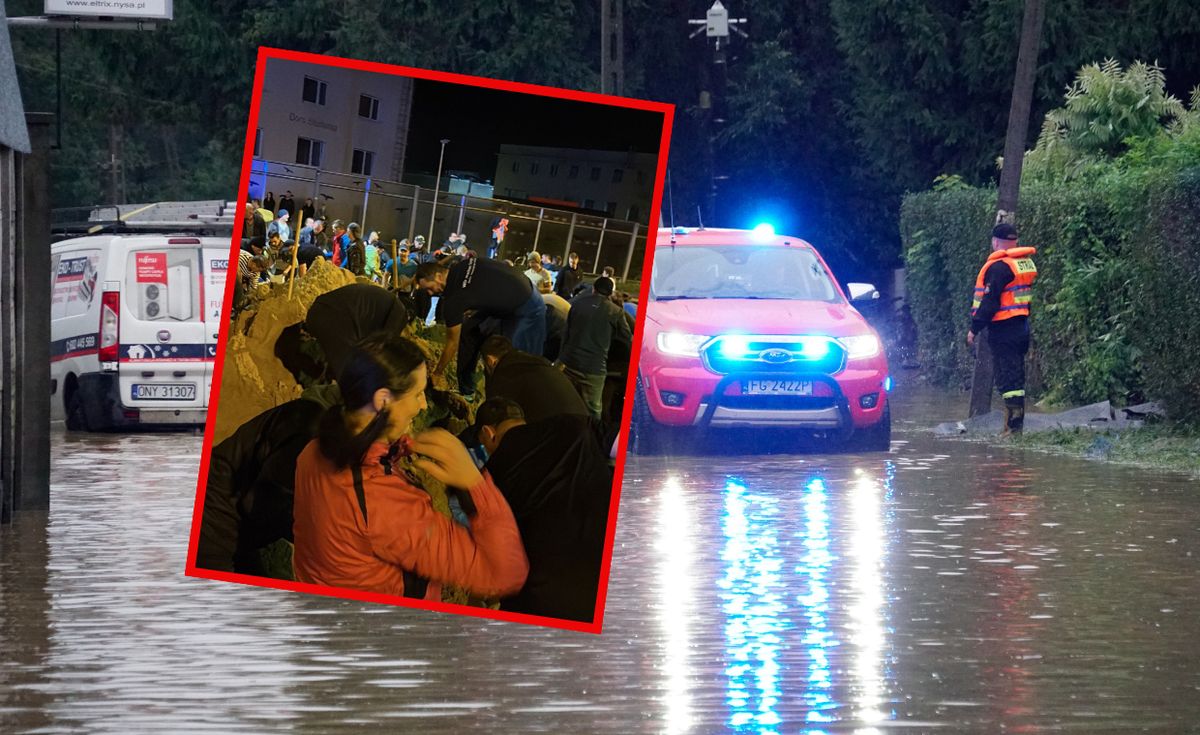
column 162, row 329
column 216, row 269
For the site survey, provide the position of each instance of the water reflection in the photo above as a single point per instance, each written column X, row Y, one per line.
column 866, row 626
column 805, row 635
column 952, row 588
column 819, row 640
column 754, row 606
column 676, row 550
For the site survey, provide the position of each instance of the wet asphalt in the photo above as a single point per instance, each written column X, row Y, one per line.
column 943, row 586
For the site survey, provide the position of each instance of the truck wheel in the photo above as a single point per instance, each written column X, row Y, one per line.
column 643, row 432
column 76, row 415
column 877, row 438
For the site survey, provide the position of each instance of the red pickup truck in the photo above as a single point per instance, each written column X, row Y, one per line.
column 749, row 329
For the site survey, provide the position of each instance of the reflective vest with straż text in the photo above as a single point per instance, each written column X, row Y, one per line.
column 1016, row 297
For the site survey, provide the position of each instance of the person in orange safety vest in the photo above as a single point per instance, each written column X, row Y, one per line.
column 1003, row 295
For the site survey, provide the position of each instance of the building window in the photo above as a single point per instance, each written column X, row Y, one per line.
column 368, row 107
column 574, row 172
column 589, row 204
column 309, row 152
column 362, row 162
column 618, row 174
column 554, row 169
column 258, row 143
column 611, row 209
column 533, row 168
column 632, row 214
column 595, row 173
column 314, row 90
column 516, row 167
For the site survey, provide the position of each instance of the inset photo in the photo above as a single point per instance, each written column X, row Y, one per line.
column 428, row 338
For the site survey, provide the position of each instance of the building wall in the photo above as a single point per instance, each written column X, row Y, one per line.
column 284, row 116
column 526, row 172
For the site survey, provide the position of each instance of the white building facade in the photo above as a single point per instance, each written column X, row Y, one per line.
column 333, row 119
column 618, row 183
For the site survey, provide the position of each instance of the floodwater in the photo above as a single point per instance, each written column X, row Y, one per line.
column 946, row 586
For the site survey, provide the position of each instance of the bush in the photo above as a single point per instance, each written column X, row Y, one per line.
column 1117, row 302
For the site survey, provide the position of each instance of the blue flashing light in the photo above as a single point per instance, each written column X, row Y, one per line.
column 887, row 384
column 814, row 348
column 764, row 231
column 734, row 346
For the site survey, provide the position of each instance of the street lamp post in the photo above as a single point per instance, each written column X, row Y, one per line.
column 436, row 185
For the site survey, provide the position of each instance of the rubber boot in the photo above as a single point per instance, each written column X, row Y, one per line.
column 1014, row 416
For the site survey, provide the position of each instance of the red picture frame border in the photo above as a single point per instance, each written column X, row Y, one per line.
column 267, row 53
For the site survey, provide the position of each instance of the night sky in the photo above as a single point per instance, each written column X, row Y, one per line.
column 478, row 120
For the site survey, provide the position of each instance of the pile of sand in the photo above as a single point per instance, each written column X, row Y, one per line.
column 254, row 379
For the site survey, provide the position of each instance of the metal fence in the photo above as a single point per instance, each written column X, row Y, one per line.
column 402, row 211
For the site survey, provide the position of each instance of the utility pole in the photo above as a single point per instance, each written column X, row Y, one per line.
column 437, row 183
column 612, row 47
column 715, row 25
column 1010, row 174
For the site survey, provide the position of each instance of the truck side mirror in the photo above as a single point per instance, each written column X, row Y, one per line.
column 862, row 292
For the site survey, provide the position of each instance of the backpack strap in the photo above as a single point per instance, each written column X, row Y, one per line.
column 358, row 490
column 414, row 584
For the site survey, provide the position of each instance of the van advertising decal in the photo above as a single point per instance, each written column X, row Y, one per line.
column 167, row 353
column 72, row 269
column 214, row 290
column 151, row 267
column 77, row 346
column 74, row 286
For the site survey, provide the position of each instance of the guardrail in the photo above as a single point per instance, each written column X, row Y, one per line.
column 400, row 211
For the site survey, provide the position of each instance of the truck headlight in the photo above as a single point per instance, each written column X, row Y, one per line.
column 679, row 343
column 863, row 345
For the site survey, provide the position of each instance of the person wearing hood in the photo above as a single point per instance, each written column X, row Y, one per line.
column 555, row 475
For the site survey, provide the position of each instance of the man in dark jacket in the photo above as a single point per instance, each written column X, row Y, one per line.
column 472, row 294
column 593, row 324
column 251, row 478
column 255, row 226
column 554, row 473
column 539, row 388
column 340, row 318
column 569, row 276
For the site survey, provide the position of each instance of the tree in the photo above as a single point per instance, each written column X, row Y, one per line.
column 1105, row 107
column 1010, row 177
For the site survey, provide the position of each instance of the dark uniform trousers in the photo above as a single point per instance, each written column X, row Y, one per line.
column 1010, row 343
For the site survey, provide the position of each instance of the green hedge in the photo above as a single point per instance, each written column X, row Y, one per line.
column 1117, row 301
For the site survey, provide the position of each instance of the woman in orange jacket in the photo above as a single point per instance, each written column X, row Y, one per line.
column 361, row 523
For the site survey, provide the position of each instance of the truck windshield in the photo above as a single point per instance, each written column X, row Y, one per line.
column 740, row 272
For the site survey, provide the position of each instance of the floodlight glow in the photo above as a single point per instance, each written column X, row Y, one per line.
column 764, row 231
column 734, row 346
column 814, row 348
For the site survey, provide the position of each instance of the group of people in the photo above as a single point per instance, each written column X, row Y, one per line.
column 532, row 302
column 271, row 249
column 530, row 479
column 479, row 298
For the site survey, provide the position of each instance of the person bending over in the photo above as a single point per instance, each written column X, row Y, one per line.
column 475, row 291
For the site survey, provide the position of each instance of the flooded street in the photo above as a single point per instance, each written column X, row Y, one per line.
column 946, row 586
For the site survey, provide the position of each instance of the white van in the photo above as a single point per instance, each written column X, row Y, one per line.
column 134, row 320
